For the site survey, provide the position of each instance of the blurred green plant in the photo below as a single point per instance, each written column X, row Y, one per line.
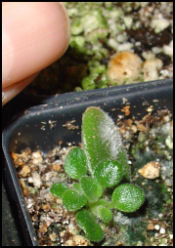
column 101, row 164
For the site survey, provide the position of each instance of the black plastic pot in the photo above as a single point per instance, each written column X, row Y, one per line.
column 41, row 126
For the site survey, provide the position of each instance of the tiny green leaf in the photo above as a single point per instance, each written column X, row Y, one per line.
column 102, row 212
column 73, row 201
column 75, row 163
column 88, row 224
column 105, row 214
column 100, row 137
column 108, row 173
column 91, row 188
column 58, row 189
column 128, row 197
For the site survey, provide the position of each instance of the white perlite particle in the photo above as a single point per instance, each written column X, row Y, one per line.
column 36, row 180
column 162, row 230
column 157, row 227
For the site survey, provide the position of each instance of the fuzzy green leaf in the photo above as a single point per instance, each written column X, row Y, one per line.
column 75, row 163
column 100, row 202
column 58, row 189
column 102, row 212
column 88, row 224
column 73, row 201
column 105, row 214
column 128, row 197
column 100, row 136
column 91, row 188
column 108, row 173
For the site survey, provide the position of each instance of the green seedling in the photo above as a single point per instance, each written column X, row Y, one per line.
column 102, row 163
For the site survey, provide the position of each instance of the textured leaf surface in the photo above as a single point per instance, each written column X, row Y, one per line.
column 75, row 163
column 108, row 173
column 105, row 214
column 58, row 189
column 91, row 188
column 88, row 224
column 73, row 201
column 102, row 211
column 128, row 197
column 100, row 136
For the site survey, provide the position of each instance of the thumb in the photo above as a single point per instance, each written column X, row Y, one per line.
column 34, row 35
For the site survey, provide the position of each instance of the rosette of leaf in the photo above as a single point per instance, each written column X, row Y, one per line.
column 101, row 164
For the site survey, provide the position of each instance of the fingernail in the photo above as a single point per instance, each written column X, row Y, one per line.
column 13, row 90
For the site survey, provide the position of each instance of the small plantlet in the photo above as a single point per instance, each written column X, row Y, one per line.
column 101, row 164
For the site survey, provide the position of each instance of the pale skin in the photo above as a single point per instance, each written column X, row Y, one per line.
column 34, row 35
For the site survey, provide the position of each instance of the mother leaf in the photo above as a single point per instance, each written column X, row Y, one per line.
column 100, row 136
